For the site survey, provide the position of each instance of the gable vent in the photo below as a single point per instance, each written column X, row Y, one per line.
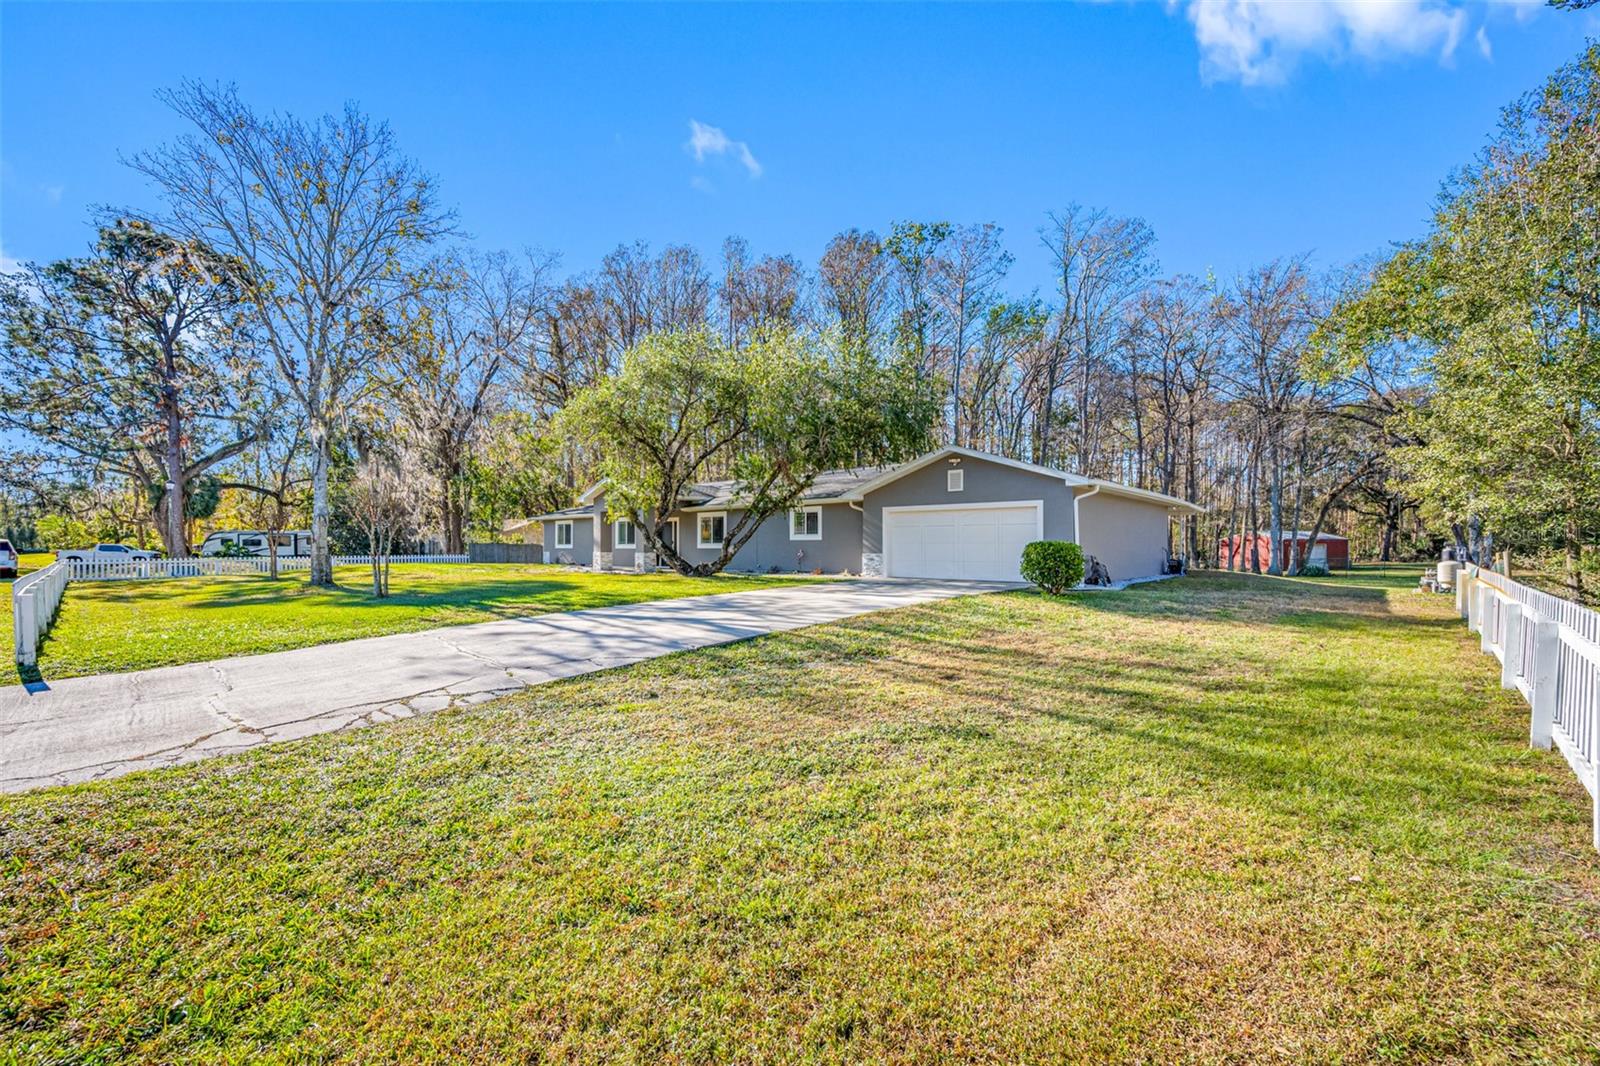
column 954, row 480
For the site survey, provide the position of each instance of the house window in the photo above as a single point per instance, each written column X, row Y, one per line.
column 954, row 480
column 625, row 536
column 712, row 526
column 805, row 523
column 563, row 534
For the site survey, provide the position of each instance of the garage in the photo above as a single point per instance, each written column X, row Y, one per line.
column 974, row 542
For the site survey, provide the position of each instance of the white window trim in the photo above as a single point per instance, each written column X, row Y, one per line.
column 955, row 480
column 805, row 536
column 568, row 526
column 616, row 536
column 704, row 516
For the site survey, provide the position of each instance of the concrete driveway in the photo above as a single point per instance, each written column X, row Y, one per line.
column 86, row 728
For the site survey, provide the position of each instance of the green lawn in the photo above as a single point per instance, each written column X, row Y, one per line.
column 108, row 626
column 1222, row 819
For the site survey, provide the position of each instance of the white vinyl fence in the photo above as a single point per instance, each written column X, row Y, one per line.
column 34, row 600
column 1549, row 651
column 36, row 597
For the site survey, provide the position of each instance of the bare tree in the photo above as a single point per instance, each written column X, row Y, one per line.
column 757, row 296
column 448, row 351
column 1101, row 262
column 321, row 218
column 913, row 248
column 383, row 501
column 966, row 274
column 1271, row 325
column 276, row 479
column 853, row 280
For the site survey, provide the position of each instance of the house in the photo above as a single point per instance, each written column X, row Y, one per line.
column 953, row 513
column 1331, row 550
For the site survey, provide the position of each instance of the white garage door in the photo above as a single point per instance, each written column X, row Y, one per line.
column 970, row 543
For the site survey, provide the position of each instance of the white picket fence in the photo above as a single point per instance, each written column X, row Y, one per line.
column 1549, row 651
column 36, row 597
column 216, row 566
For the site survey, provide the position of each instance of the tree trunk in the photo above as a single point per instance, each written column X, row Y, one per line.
column 321, row 556
column 1573, row 541
column 1252, row 491
column 173, row 534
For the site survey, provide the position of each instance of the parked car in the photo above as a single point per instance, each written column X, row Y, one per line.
column 289, row 542
column 105, row 553
column 8, row 560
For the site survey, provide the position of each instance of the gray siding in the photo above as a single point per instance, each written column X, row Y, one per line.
column 984, row 482
column 1128, row 536
column 582, row 550
column 838, row 551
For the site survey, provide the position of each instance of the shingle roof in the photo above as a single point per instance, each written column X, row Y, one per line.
column 829, row 484
column 569, row 512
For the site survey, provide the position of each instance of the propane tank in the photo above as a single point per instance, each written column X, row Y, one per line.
column 1447, row 569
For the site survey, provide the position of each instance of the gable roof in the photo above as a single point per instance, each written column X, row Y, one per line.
column 1114, row 488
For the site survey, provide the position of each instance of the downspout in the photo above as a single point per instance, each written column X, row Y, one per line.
column 1077, row 530
column 854, row 506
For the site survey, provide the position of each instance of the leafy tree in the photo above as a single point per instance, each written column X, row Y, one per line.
column 686, row 407
column 56, row 532
column 516, row 470
column 134, row 363
column 1499, row 303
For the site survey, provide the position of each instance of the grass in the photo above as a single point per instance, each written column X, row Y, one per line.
column 1223, row 819
column 1402, row 576
column 113, row 626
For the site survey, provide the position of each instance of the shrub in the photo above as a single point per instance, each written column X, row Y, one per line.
column 1053, row 565
column 1313, row 570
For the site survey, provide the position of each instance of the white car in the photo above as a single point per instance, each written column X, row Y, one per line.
column 105, row 553
column 8, row 560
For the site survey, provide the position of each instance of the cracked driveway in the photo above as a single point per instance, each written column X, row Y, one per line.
column 86, row 728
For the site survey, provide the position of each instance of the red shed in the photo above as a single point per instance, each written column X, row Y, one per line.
column 1331, row 550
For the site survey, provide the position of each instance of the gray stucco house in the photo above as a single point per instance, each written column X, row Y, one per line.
column 953, row 513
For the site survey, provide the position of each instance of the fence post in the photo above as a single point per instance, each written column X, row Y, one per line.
column 1511, row 643
column 1463, row 591
column 1544, row 681
column 25, row 615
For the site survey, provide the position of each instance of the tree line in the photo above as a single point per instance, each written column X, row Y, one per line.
column 300, row 333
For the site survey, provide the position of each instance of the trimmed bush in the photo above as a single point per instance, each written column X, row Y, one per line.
column 1053, row 565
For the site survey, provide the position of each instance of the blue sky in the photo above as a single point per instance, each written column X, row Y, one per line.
column 1239, row 129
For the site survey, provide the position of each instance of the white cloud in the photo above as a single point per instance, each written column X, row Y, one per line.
column 1484, row 47
column 52, row 193
column 9, row 265
column 709, row 140
column 1258, row 42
